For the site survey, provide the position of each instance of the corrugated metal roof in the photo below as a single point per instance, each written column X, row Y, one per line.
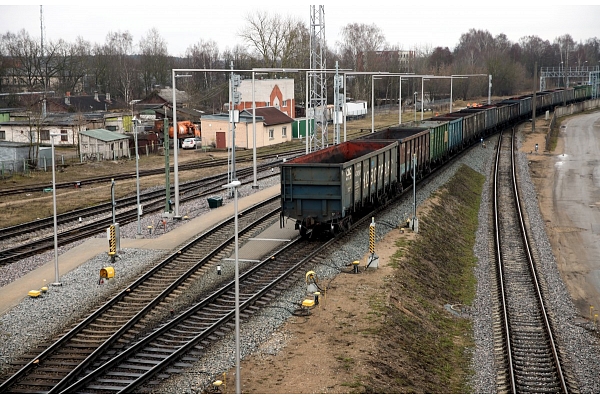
column 271, row 115
column 104, row 135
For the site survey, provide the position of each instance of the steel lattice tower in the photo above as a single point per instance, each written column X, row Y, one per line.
column 317, row 80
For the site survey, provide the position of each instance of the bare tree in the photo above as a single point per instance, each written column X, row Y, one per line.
column 154, row 60
column 113, row 67
column 566, row 45
column 71, row 65
column 203, row 55
column 533, row 49
column 276, row 40
column 359, row 50
column 25, row 53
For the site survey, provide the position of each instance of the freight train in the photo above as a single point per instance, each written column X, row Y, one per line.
column 325, row 190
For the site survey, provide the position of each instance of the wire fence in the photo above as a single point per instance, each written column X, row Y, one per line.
column 26, row 166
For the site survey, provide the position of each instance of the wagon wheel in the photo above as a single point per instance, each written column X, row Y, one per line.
column 349, row 223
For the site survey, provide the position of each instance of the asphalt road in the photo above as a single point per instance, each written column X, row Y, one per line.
column 576, row 209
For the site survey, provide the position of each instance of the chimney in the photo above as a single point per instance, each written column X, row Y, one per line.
column 68, row 99
column 96, row 95
column 108, row 97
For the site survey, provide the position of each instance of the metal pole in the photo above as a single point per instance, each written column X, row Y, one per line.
column 175, row 149
column 345, row 106
column 533, row 105
column 490, row 91
column 233, row 185
column 400, row 103
column 238, row 385
column 255, row 184
column 422, row 100
column 373, row 103
column 415, row 96
column 414, row 190
column 112, row 195
column 56, row 275
column 232, row 118
column 306, row 115
column 167, row 164
column 451, row 94
column 137, row 179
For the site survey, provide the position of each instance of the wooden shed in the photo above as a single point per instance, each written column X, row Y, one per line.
column 102, row 144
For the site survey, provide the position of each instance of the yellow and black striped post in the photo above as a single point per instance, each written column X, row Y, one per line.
column 372, row 236
column 112, row 239
column 112, row 242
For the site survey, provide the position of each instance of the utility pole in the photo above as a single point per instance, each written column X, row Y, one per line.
column 534, row 99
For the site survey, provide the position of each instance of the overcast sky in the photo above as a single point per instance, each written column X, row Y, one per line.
column 404, row 23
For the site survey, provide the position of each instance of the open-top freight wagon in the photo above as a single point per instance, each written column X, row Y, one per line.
column 412, row 143
column 325, row 190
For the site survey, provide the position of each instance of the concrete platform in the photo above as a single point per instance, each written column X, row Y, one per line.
column 258, row 248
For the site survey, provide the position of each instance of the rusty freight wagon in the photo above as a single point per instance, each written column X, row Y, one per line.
column 323, row 191
column 411, row 142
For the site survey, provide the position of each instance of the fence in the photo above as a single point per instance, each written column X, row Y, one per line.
column 569, row 110
column 9, row 168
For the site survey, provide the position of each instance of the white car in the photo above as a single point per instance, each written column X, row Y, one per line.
column 191, row 143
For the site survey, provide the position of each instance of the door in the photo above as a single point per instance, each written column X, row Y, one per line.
column 221, row 141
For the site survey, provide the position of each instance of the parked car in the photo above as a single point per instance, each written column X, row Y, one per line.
column 191, row 143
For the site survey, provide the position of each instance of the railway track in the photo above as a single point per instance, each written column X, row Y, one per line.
column 204, row 164
column 530, row 359
column 38, row 236
column 139, row 309
column 185, row 338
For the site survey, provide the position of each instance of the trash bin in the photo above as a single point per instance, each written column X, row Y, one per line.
column 215, row 201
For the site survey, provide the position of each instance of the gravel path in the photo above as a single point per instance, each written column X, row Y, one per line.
column 36, row 320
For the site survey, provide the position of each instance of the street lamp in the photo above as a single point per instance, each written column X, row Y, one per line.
column 238, row 388
column 137, row 178
column 176, row 145
column 56, row 276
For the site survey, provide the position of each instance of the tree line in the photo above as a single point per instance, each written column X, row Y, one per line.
column 129, row 69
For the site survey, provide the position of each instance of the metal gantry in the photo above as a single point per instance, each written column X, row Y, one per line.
column 339, row 100
column 317, row 82
column 564, row 75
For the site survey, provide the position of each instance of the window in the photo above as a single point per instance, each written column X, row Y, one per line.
column 2, row 135
column 271, row 134
column 284, row 131
column 44, row 134
column 64, row 137
column 267, row 104
column 284, row 104
column 112, row 128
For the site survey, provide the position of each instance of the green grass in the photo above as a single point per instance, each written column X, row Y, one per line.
column 427, row 348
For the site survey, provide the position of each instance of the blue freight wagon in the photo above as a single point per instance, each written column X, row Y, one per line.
column 324, row 190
